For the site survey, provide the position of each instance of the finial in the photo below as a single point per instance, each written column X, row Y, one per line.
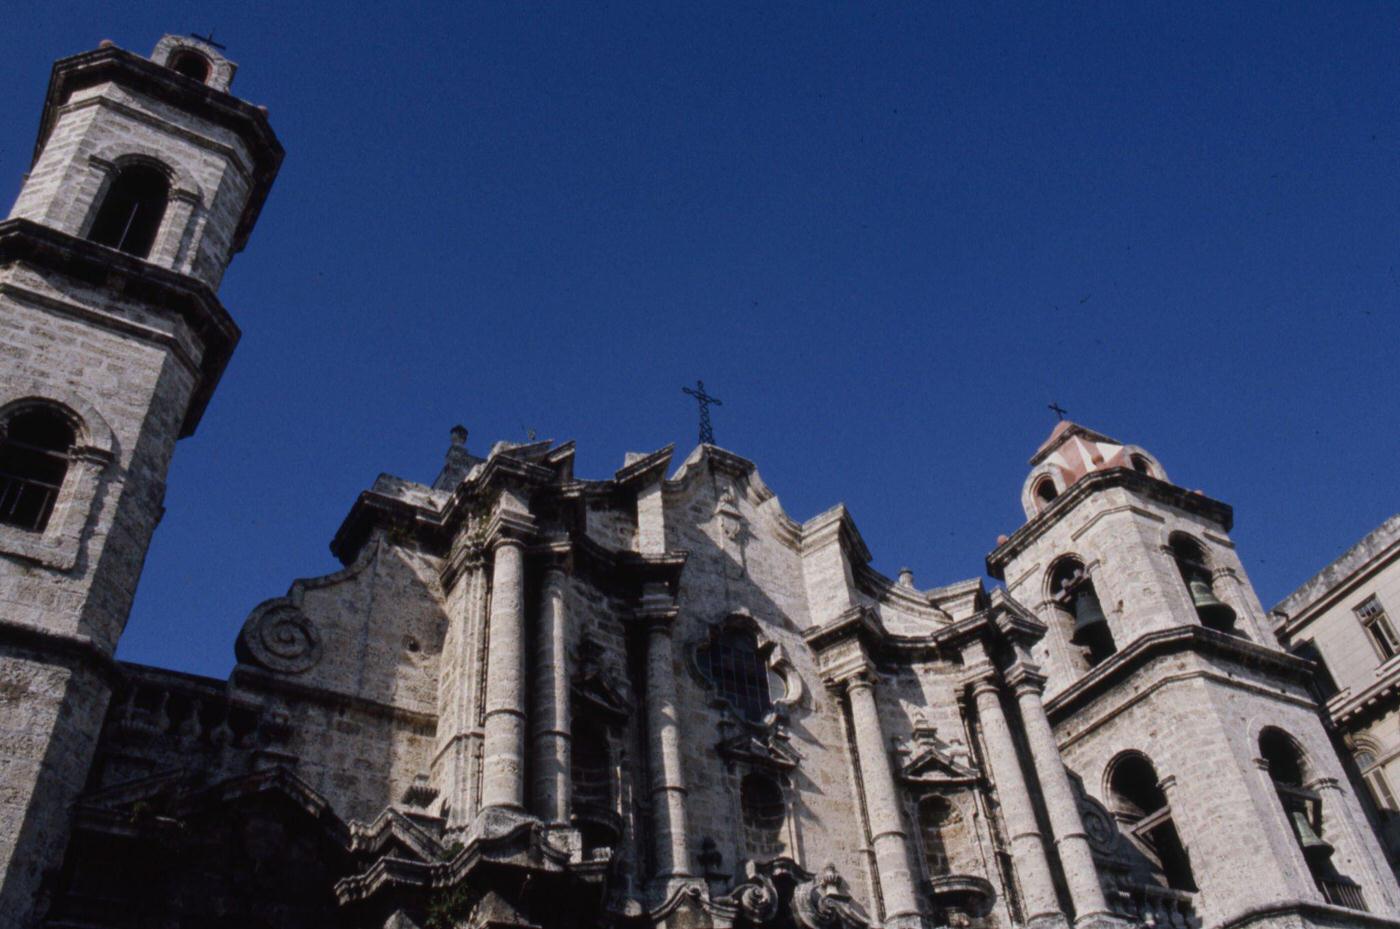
column 906, row 577
column 106, row 43
column 459, row 435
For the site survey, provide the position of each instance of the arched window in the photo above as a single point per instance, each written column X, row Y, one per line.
column 764, row 811
column 1141, row 465
column 1045, row 491
column 1072, row 589
column 191, row 64
column 1141, row 808
column 740, row 673
column 34, row 447
column 1303, row 808
column 132, row 209
column 1195, row 571
column 936, row 816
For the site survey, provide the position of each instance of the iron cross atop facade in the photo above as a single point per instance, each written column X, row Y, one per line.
column 707, row 431
column 1059, row 410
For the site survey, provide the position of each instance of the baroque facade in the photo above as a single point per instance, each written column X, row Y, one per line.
column 532, row 699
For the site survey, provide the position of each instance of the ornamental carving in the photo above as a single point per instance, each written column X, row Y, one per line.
column 780, row 892
column 278, row 636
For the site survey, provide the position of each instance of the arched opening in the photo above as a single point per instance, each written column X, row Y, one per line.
column 132, row 210
column 191, row 64
column 1045, row 491
column 764, row 811
column 936, row 815
column 739, row 671
column 1141, row 808
column 1141, row 465
column 1302, row 807
column 1072, row 589
column 1195, row 570
column 34, row 446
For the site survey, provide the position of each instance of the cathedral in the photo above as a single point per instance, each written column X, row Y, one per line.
column 537, row 700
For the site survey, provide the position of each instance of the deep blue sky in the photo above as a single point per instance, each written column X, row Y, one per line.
column 887, row 237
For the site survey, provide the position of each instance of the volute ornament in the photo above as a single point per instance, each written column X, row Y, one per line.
column 278, row 636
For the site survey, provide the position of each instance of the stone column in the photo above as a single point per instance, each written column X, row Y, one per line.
column 1061, row 803
column 670, row 838
column 1027, row 846
column 553, row 728
column 887, row 837
column 504, row 767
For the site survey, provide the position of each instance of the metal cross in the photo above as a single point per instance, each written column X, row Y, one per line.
column 1059, row 410
column 206, row 38
column 707, row 432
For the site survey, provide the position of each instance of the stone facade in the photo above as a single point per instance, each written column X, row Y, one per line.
column 532, row 699
column 1345, row 620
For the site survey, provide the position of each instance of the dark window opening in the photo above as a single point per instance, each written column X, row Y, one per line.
column 33, row 462
column 1141, row 465
column 591, row 773
column 764, row 811
column 130, row 214
column 191, row 65
column 1045, row 490
column 1075, row 593
column 1195, row 571
column 740, row 673
column 1141, row 807
column 935, row 816
column 1302, row 807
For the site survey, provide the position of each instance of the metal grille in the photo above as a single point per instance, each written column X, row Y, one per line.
column 739, row 672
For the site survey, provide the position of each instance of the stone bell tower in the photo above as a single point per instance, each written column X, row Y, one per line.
column 1196, row 741
column 148, row 177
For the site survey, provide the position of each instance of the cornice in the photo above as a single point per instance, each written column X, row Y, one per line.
column 130, row 70
column 1221, row 513
column 1106, row 676
column 191, row 300
column 644, row 470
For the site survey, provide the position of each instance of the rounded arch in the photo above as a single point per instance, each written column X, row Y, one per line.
column 1184, row 545
column 120, row 153
column 1132, row 785
column 1043, row 486
column 1063, row 568
column 91, row 434
column 1285, row 758
column 763, row 808
column 192, row 64
column 1144, row 462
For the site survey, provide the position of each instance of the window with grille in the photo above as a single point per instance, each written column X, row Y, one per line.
column 764, row 811
column 1378, row 626
column 34, row 447
column 740, row 673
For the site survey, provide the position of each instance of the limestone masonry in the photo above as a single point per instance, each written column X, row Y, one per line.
column 532, row 700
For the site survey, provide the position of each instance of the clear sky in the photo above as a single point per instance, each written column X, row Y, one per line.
column 886, row 235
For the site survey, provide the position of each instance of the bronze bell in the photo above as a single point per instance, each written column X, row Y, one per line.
column 1212, row 611
column 1088, row 615
column 1314, row 845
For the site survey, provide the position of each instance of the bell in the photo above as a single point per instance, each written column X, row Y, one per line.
column 1088, row 616
column 1213, row 612
column 1314, row 845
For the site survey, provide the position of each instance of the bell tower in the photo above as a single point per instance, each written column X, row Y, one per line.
column 1196, row 741
column 148, row 176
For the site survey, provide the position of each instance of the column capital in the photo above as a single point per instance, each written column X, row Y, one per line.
column 657, row 609
column 1025, row 678
column 981, row 679
column 509, row 527
column 851, row 677
column 556, row 555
